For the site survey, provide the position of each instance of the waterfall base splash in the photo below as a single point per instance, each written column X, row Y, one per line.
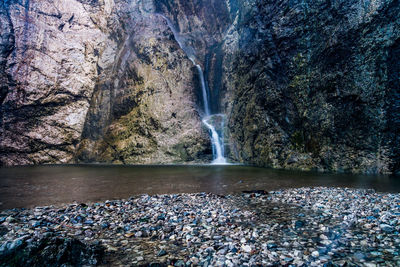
column 215, row 124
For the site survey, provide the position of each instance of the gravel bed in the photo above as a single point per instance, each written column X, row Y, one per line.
column 292, row 227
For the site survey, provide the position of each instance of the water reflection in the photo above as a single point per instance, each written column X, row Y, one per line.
column 44, row 185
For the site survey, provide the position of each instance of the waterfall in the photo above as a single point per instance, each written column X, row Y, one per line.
column 209, row 120
column 216, row 139
column 203, row 89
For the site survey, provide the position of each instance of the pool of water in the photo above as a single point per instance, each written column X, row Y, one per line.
column 48, row 185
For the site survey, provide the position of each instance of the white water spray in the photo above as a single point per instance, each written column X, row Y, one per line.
column 217, row 141
column 218, row 149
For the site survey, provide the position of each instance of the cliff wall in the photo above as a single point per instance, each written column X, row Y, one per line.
column 95, row 81
column 304, row 84
column 314, row 85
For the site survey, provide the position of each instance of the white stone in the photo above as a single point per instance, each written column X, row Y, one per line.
column 315, row 254
column 246, row 248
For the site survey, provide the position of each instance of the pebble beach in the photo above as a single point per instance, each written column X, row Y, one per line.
column 291, row 227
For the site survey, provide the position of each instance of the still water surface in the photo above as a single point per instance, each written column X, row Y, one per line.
column 48, row 185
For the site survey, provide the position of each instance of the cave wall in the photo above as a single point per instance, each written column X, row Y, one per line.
column 314, row 84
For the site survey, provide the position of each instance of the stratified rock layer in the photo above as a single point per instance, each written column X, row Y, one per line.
column 314, row 85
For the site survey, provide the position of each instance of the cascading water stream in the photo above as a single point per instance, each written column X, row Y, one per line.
column 203, row 89
column 216, row 140
column 218, row 149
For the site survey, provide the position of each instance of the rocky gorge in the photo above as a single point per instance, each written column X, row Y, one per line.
column 307, row 84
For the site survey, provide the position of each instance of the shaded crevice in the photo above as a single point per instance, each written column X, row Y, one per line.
column 101, row 109
column 58, row 15
column 7, row 46
column 38, row 109
column 213, row 71
column 37, row 145
column 393, row 111
column 96, row 122
column 26, row 28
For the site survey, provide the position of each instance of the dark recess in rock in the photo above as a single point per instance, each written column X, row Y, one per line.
column 393, row 113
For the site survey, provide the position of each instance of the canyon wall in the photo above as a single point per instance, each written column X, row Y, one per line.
column 95, row 81
column 304, row 84
column 49, row 65
column 314, row 85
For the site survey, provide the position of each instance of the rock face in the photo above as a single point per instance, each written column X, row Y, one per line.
column 203, row 23
column 304, row 84
column 51, row 68
column 94, row 81
column 143, row 109
column 314, row 85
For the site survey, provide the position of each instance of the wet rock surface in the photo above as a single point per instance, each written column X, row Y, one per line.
column 298, row 227
column 49, row 251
